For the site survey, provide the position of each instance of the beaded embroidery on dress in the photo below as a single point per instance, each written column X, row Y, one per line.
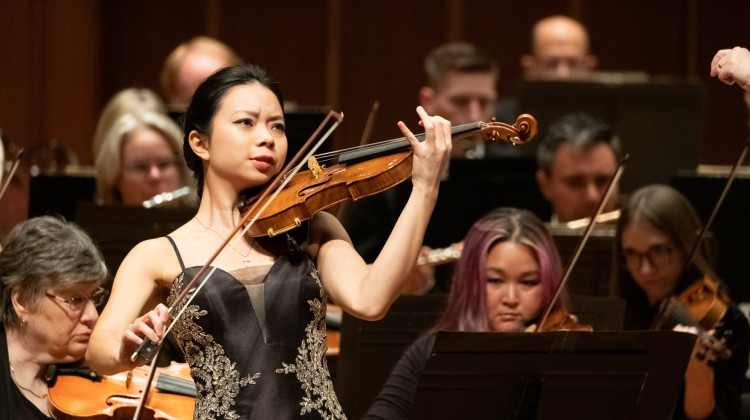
column 215, row 375
column 319, row 394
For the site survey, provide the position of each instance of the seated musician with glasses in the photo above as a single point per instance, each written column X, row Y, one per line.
column 139, row 157
column 655, row 234
column 50, row 281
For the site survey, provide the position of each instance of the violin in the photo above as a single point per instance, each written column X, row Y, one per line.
column 362, row 171
column 559, row 320
column 117, row 396
column 562, row 320
column 701, row 305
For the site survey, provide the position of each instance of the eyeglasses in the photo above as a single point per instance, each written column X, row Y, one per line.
column 657, row 256
column 78, row 303
column 143, row 167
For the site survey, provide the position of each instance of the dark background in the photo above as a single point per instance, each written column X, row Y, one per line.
column 60, row 61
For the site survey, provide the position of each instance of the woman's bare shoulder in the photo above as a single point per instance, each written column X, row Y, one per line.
column 155, row 256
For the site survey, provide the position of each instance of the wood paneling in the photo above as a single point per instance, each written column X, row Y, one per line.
column 62, row 60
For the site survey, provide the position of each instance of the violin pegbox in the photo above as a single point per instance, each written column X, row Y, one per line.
column 521, row 132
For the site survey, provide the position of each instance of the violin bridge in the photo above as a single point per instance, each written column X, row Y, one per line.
column 314, row 166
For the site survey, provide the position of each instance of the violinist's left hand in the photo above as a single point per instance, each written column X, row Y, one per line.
column 701, row 352
column 432, row 155
column 699, row 378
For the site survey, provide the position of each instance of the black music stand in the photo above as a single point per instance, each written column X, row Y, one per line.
column 117, row 229
column 653, row 115
column 557, row 375
column 595, row 274
column 60, row 194
column 369, row 349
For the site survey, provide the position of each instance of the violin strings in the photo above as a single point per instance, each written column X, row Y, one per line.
column 680, row 314
column 326, row 156
column 323, row 157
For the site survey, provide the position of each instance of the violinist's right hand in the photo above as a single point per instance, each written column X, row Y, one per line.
column 732, row 65
column 151, row 325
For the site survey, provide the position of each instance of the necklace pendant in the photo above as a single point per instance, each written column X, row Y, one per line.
column 246, row 261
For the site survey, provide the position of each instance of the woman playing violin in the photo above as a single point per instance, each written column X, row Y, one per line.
column 254, row 336
column 656, row 231
column 506, row 277
column 50, row 277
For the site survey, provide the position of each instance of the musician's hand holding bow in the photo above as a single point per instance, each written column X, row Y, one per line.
column 152, row 325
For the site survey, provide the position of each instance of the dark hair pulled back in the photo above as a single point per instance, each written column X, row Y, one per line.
column 206, row 102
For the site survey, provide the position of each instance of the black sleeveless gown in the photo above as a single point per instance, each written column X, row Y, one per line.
column 239, row 372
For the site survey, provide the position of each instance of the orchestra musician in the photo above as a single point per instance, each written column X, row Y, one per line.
column 255, row 334
column 124, row 102
column 655, row 233
column 507, row 275
column 461, row 86
column 575, row 161
column 50, row 274
column 138, row 158
column 189, row 64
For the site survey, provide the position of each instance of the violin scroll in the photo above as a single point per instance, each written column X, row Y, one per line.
column 521, row 132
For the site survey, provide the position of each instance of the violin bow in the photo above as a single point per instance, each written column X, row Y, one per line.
column 12, row 172
column 704, row 229
column 702, row 235
column 366, row 134
column 585, row 237
column 147, row 349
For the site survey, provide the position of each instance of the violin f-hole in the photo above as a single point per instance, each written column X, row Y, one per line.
column 302, row 193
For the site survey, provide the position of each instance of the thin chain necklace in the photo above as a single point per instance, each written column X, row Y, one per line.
column 245, row 259
column 13, row 376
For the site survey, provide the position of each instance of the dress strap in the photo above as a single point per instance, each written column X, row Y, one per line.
column 176, row 251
